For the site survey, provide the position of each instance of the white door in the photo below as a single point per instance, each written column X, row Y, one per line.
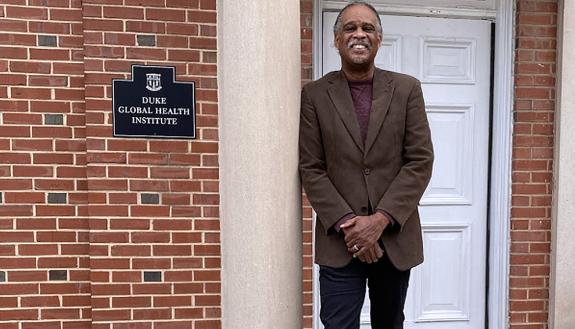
column 451, row 58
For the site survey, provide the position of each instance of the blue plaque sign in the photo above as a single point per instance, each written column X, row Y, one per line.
column 153, row 104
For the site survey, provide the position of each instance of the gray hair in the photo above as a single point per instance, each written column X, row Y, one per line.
column 337, row 25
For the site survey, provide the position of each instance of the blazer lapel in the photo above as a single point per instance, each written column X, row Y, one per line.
column 341, row 98
column 382, row 93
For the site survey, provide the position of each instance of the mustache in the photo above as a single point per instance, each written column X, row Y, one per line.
column 359, row 42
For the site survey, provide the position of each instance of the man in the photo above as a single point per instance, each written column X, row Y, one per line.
column 365, row 160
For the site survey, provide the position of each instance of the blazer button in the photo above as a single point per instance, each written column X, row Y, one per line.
column 366, row 171
column 363, row 210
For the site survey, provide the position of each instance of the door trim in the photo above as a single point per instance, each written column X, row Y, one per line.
column 500, row 189
column 501, row 137
column 417, row 10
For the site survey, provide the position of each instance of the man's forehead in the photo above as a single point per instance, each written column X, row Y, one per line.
column 358, row 13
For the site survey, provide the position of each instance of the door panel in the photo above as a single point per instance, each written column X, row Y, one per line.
column 451, row 58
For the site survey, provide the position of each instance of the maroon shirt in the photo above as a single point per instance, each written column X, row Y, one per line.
column 361, row 92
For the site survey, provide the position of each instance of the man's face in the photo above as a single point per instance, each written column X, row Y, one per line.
column 358, row 39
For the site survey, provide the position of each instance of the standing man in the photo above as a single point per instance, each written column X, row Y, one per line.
column 365, row 161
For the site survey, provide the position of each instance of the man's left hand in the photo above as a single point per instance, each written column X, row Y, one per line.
column 362, row 232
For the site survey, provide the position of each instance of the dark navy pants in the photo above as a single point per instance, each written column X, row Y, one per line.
column 342, row 292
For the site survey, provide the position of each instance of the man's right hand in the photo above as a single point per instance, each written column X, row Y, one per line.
column 372, row 255
column 367, row 255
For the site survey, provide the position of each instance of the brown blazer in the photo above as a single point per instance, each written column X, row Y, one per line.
column 341, row 175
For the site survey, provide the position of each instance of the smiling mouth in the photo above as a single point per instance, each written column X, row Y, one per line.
column 358, row 46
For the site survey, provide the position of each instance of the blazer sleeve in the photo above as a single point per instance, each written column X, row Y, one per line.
column 402, row 197
column 322, row 194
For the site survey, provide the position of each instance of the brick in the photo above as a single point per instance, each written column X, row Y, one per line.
column 178, row 225
column 211, row 5
column 150, row 211
column 50, row 54
column 26, row 12
column 102, row 24
column 152, row 314
column 208, row 31
column 130, row 251
column 148, row 185
column 152, row 276
column 24, row 197
column 132, row 301
column 20, row 314
column 52, row 132
column 65, row 14
column 182, row 28
column 189, row 313
column 126, row 276
column 10, row 25
column 6, row 250
column 56, row 236
column 124, row 12
column 172, row 250
column 203, row 43
column 181, row 211
column 27, row 276
column 53, row 119
column 146, row 53
column 184, row 263
column 123, row 39
column 206, row 199
column 151, row 288
column 202, row 69
column 8, row 302
column 64, row 288
column 197, row 16
column 117, row 198
column 165, row 14
column 151, row 263
column 174, row 324
column 175, row 199
column 206, row 300
column 39, row 249
column 57, row 262
column 149, row 198
column 169, row 172
column 110, row 315
column 146, row 27
column 48, row 81
column 109, row 237
column 20, row 210
column 147, row 158
column 182, row 3
column 206, row 250
column 12, row 79
column 208, row 324
column 146, row 40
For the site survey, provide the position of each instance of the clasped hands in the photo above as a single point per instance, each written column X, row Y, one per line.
column 361, row 235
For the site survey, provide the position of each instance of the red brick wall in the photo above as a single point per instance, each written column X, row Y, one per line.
column 43, row 214
column 306, row 14
column 535, row 65
column 105, row 213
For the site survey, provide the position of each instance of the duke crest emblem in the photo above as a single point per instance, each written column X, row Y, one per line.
column 153, row 81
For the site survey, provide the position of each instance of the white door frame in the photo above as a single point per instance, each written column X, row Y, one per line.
column 501, row 137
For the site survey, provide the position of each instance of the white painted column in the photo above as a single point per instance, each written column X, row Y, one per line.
column 259, row 94
column 562, row 290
